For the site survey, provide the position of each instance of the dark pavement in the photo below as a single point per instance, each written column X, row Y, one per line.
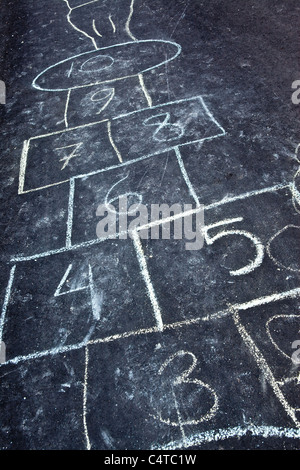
column 132, row 343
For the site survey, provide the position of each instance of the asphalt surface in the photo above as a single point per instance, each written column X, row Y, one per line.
column 112, row 340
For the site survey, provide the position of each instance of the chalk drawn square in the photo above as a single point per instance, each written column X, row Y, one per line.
column 269, row 332
column 103, row 145
column 41, row 221
column 40, row 403
column 151, row 181
column 238, row 264
column 174, row 387
column 160, row 128
column 104, row 101
column 60, row 155
column 90, row 294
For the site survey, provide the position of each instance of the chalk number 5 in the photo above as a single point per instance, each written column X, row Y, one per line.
column 259, row 248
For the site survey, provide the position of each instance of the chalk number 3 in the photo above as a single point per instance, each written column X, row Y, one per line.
column 184, row 380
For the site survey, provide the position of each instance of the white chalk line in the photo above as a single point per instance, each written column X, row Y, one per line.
column 296, row 197
column 272, row 340
column 66, row 108
column 242, row 196
column 216, row 435
column 69, row 129
column 26, row 145
column 96, row 30
column 88, row 243
column 291, row 294
column 129, row 162
column 23, row 164
column 268, row 248
column 180, row 18
column 82, row 4
column 264, row 367
column 167, row 220
column 180, row 423
column 259, row 247
column 118, row 153
column 183, row 379
column 75, row 27
column 208, row 112
column 145, row 91
column 146, row 276
column 171, row 103
column 186, row 177
column 70, row 72
column 65, row 249
column 112, row 94
column 96, row 308
column 85, row 386
column 129, row 33
column 66, row 159
column 159, row 328
column 6, row 300
column 112, row 24
column 296, row 153
column 61, row 283
column 109, row 80
column 70, row 214
column 127, row 26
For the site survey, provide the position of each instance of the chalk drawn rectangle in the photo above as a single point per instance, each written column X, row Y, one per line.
column 174, row 386
column 103, row 145
column 54, row 158
column 269, row 332
column 43, row 399
column 149, row 181
column 210, row 280
column 41, row 222
column 158, row 129
column 59, row 303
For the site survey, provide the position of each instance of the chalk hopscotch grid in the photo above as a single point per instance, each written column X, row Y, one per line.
column 139, row 75
column 26, row 145
column 160, row 327
column 73, row 179
column 206, row 437
column 146, row 277
column 196, row 439
column 226, row 200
